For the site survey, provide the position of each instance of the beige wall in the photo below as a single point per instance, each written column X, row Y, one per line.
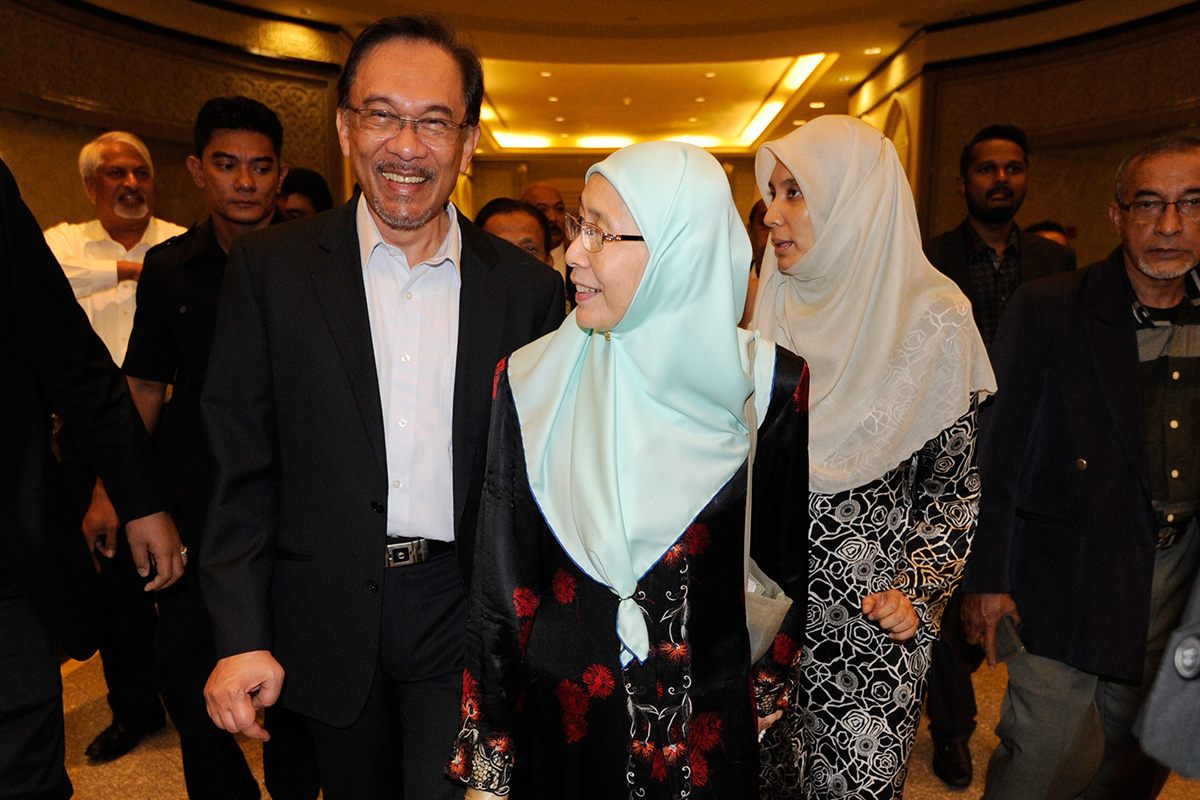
column 116, row 76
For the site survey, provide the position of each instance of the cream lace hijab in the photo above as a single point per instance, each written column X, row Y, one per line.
column 629, row 436
column 893, row 351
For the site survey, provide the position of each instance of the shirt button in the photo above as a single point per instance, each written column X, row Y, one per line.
column 183, row 309
column 1174, row 423
column 403, row 423
column 406, row 358
column 1175, row 375
column 1080, row 464
column 377, row 507
column 408, row 295
column 1174, row 473
column 1170, row 517
column 396, row 484
column 373, row 586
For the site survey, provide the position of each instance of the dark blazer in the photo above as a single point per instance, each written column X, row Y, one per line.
column 293, row 555
column 1065, row 522
column 1040, row 257
column 57, row 362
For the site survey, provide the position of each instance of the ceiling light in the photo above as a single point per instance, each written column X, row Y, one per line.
column 487, row 113
column 699, row 99
column 699, row 141
column 605, row 142
column 515, row 140
column 816, row 104
column 559, row 119
column 872, row 51
column 710, row 74
column 799, row 122
column 562, row 136
column 545, row 74
column 800, row 71
column 845, row 79
column 761, row 120
column 693, row 119
column 553, row 99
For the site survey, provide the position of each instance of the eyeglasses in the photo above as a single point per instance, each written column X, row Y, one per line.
column 433, row 131
column 1188, row 207
column 593, row 238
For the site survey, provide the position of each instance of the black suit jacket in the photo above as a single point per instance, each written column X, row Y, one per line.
column 293, row 555
column 1040, row 257
column 57, row 362
column 1065, row 523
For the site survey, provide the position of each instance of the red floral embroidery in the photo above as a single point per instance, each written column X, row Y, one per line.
column 699, row 770
column 659, row 689
column 658, row 768
column 524, row 601
column 704, row 733
column 677, row 653
column 673, row 753
column 784, row 650
column 502, row 743
column 574, row 701
column 800, row 396
column 459, row 765
column 470, row 698
column 696, row 538
column 524, row 634
column 641, row 749
column 563, row 586
column 674, row 555
column 599, row 680
column 496, row 379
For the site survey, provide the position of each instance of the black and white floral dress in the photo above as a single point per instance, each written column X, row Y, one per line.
column 857, row 700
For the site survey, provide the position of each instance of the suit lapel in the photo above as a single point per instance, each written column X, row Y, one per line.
column 481, row 312
column 338, row 283
column 1112, row 339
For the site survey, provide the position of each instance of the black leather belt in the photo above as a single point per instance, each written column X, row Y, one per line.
column 1168, row 535
column 406, row 552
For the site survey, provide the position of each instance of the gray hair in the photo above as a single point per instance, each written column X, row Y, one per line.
column 90, row 155
column 1164, row 145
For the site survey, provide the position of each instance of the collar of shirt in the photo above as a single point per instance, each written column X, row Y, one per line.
column 1191, row 296
column 95, row 232
column 982, row 251
column 370, row 238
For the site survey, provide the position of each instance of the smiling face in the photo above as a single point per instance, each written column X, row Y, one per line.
column 606, row 282
column 787, row 216
column 994, row 186
column 240, row 174
column 121, row 187
column 1162, row 249
column 522, row 230
column 406, row 182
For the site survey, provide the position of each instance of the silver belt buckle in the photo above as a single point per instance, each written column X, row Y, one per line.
column 403, row 554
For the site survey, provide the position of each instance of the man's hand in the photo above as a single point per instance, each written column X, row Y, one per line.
column 981, row 613
column 100, row 525
column 238, row 687
column 128, row 270
column 894, row 612
column 154, row 541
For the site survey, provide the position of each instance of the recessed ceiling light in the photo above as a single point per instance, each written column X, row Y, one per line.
column 627, row 100
column 553, row 99
column 699, row 99
column 562, row 136
column 559, row 119
column 845, row 79
column 799, row 121
column 816, row 104
column 545, row 74
column 710, row 74
column 872, row 51
column 693, row 119
column 307, row 12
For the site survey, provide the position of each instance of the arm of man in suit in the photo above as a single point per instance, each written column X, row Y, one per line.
column 75, row 372
column 238, row 403
column 1017, row 358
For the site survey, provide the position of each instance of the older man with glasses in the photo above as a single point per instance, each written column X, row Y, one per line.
column 347, row 403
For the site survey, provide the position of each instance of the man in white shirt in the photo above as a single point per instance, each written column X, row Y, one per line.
column 103, row 258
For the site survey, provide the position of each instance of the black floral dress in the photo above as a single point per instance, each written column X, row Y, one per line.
column 547, row 709
column 857, row 702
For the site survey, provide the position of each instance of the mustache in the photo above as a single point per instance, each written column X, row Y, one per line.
column 400, row 168
column 132, row 194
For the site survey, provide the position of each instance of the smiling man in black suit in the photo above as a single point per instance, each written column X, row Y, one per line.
column 347, row 404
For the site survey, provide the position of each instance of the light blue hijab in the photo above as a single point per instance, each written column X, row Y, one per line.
column 628, row 437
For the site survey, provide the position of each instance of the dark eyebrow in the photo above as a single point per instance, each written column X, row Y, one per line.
column 436, row 108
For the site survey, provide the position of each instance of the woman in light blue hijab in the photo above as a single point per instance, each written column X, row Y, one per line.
column 607, row 652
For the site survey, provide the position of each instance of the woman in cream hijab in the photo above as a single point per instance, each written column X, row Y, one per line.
column 897, row 371
column 607, row 650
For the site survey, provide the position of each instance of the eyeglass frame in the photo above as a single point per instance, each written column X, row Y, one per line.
column 1192, row 203
column 605, row 236
column 415, row 124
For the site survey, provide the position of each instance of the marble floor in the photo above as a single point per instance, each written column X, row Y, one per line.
column 153, row 771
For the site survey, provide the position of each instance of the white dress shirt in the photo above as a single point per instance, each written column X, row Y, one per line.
column 89, row 257
column 414, row 334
